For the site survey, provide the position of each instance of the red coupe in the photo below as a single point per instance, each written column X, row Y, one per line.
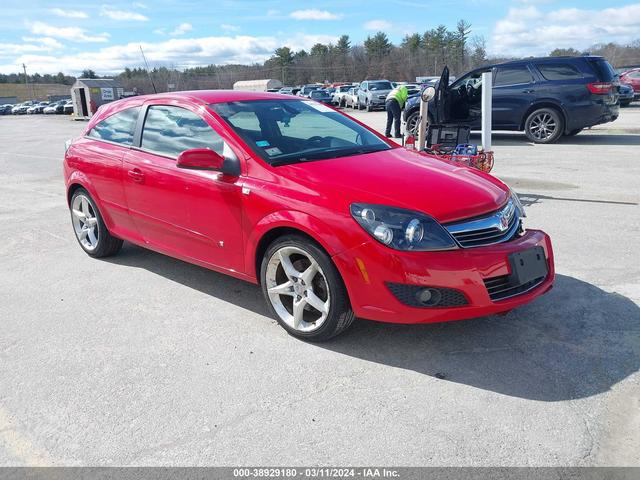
column 332, row 219
column 632, row 77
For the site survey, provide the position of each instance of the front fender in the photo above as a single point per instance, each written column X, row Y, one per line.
column 312, row 226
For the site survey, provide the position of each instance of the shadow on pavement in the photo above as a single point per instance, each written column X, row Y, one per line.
column 529, row 199
column 517, row 139
column 574, row 342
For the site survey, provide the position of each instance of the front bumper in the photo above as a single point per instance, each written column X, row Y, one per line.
column 368, row 269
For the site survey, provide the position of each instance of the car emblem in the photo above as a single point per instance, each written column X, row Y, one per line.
column 504, row 221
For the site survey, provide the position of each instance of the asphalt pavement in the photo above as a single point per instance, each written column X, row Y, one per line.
column 141, row 359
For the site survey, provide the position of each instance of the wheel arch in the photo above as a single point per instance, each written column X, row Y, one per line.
column 544, row 104
column 287, row 223
column 79, row 180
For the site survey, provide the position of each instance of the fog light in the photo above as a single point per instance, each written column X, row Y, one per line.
column 428, row 296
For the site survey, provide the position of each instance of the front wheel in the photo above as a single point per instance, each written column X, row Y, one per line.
column 89, row 227
column 304, row 290
column 368, row 106
column 544, row 126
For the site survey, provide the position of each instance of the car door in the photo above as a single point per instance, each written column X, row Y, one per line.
column 514, row 90
column 192, row 214
column 464, row 100
column 100, row 156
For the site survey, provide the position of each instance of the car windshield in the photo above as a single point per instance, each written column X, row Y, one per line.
column 380, row 86
column 293, row 131
column 319, row 93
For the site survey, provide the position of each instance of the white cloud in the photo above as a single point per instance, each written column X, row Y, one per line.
column 74, row 34
column 378, row 25
column 529, row 31
column 229, row 28
column 47, row 43
column 175, row 52
column 34, row 45
column 140, row 5
column 59, row 12
column 181, row 29
column 315, row 14
column 124, row 15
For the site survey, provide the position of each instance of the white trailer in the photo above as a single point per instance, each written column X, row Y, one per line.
column 257, row 85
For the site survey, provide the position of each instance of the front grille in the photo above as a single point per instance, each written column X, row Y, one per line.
column 497, row 227
column 442, row 297
column 503, row 287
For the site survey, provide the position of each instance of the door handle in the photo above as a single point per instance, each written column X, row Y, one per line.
column 528, row 91
column 136, row 175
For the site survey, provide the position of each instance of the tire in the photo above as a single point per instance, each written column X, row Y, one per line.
column 544, row 125
column 625, row 104
column 411, row 125
column 368, row 106
column 573, row 133
column 89, row 227
column 297, row 281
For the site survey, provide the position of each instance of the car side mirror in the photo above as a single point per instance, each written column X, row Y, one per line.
column 200, row 159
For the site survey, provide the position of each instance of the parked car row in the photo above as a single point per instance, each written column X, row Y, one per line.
column 31, row 107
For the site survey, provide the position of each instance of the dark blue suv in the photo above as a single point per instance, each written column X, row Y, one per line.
column 544, row 97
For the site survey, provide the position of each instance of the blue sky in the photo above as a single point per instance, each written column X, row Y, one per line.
column 68, row 36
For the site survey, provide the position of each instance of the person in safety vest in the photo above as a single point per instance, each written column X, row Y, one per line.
column 394, row 105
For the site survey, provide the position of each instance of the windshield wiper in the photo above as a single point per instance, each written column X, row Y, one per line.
column 326, row 154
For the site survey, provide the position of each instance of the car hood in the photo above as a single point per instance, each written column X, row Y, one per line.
column 401, row 178
column 379, row 92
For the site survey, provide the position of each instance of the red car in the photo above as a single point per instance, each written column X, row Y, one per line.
column 632, row 77
column 332, row 219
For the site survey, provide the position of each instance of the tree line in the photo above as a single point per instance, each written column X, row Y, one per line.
column 417, row 54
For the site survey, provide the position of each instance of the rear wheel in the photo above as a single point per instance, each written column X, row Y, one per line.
column 89, row 227
column 544, row 126
column 304, row 290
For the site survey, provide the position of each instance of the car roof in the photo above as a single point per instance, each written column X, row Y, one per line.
column 206, row 96
column 539, row 60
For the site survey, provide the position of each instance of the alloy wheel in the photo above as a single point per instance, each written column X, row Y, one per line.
column 298, row 289
column 85, row 222
column 412, row 124
column 543, row 126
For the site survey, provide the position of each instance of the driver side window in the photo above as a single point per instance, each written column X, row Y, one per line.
column 169, row 131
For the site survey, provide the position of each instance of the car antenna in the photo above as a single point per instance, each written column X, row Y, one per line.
column 148, row 72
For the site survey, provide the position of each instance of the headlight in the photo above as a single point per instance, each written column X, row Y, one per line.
column 402, row 229
column 517, row 203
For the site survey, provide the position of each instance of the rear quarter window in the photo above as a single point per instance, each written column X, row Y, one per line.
column 603, row 69
column 558, row 71
column 118, row 128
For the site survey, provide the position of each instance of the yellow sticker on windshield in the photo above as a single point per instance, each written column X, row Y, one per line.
column 273, row 151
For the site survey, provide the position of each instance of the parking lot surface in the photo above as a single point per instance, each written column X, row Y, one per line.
column 141, row 359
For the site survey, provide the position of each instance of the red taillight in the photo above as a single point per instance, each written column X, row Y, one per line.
column 600, row 88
